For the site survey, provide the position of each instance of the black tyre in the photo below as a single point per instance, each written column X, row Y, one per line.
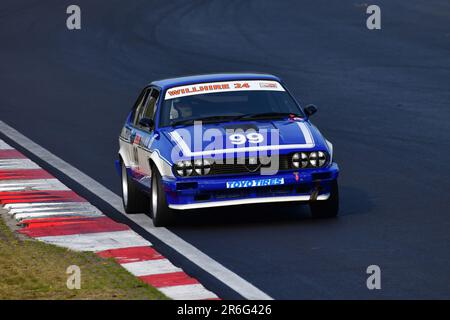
column 160, row 212
column 326, row 208
column 133, row 199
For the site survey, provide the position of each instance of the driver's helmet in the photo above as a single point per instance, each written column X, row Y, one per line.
column 180, row 109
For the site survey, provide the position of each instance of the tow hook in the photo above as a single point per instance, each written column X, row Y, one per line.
column 315, row 192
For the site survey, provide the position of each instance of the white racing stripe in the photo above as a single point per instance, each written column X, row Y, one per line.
column 10, row 164
column 149, row 267
column 36, row 184
column 309, row 143
column 228, row 277
column 309, row 140
column 98, row 241
column 188, row 292
column 5, row 146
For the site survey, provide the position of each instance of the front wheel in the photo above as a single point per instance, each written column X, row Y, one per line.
column 326, row 208
column 133, row 199
column 160, row 212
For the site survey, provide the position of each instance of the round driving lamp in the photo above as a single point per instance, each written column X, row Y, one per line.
column 202, row 166
column 300, row 160
column 322, row 158
column 183, row 168
column 313, row 159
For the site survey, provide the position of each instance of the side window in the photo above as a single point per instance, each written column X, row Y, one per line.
column 151, row 105
column 141, row 107
column 136, row 105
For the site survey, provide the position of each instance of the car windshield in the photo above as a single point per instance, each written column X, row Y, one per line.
column 243, row 104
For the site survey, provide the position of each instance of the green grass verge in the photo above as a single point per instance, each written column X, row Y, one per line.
column 30, row 269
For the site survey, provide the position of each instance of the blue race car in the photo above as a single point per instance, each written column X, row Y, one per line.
column 221, row 140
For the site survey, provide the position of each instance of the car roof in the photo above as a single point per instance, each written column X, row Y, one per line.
column 213, row 77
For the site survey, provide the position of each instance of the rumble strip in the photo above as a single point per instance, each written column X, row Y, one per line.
column 51, row 212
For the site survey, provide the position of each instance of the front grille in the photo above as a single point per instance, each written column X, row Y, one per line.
column 240, row 167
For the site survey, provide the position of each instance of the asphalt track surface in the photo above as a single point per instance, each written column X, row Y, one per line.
column 383, row 99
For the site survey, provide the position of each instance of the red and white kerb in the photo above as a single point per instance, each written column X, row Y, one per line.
column 51, row 212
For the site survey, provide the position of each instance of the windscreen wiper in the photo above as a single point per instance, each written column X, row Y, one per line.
column 181, row 122
column 203, row 119
column 267, row 115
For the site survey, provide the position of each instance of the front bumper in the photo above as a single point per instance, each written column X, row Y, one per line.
column 212, row 191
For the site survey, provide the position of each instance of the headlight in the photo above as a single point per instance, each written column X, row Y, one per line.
column 300, row 160
column 202, row 166
column 322, row 158
column 313, row 159
column 317, row 159
column 183, row 168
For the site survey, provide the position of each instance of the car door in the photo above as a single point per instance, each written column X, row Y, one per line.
column 144, row 137
column 132, row 149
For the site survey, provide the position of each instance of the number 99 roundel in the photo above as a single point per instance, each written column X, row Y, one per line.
column 239, row 138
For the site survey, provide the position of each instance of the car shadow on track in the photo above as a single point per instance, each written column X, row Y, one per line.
column 244, row 214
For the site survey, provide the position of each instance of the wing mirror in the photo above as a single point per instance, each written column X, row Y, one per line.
column 147, row 123
column 310, row 109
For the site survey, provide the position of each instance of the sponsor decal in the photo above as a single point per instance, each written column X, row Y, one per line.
column 267, row 85
column 214, row 87
column 137, row 139
column 125, row 133
column 254, row 183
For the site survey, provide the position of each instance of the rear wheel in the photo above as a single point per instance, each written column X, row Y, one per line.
column 133, row 199
column 160, row 212
column 326, row 208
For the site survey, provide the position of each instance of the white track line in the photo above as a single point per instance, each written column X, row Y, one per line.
column 74, row 206
column 31, row 205
column 98, row 241
column 228, row 277
column 150, row 267
column 17, row 164
column 68, row 213
column 187, row 292
column 5, row 146
column 22, row 211
column 35, row 184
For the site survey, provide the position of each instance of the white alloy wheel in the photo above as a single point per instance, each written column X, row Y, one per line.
column 154, row 196
column 124, row 185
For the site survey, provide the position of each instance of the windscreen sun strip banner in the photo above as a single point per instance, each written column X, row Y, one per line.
column 214, row 87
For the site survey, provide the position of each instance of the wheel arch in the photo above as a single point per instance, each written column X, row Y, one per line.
column 155, row 161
